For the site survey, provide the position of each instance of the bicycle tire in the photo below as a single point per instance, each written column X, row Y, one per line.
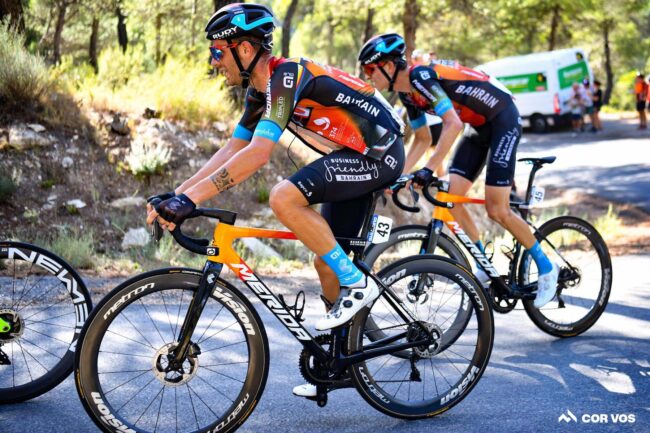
column 368, row 382
column 151, row 293
column 58, row 293
column 565, row 232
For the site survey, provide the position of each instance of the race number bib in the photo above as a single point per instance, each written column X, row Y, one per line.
column 537, row 195
column 379, row 229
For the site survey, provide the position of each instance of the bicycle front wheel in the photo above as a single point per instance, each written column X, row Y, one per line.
column 126, row 380
column 433, row 377
column 585, row 279
column 43, row 306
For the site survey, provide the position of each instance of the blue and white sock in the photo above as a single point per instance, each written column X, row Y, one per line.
column 544, row 265
column 346, row 272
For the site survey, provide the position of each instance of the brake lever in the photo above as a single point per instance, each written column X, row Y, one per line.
column 156, row 231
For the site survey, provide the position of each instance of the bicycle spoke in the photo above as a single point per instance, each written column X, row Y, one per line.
column 221, row 347
column 210, row 325
column 124, row 383
column 162, row 388
column 152, row 321
column 222, row 374
column 43, row 349
column 67, row 343
column 211, row 386
column 134, row 395
column 131, row 339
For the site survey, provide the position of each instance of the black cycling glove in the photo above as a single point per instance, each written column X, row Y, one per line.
column 176, row 209
column 161, row 197
column 423, row 176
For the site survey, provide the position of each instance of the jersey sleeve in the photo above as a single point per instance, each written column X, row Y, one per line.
column 417, row 117
column 281, row 99
column 425, row 82
column 253, row 111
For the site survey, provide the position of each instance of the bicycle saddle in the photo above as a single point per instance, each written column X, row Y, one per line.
column 539, row 161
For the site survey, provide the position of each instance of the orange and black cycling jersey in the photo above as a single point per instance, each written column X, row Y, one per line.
column 444, row 85
column 325, row 107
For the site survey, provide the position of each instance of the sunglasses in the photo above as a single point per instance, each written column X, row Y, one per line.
column 370, row 69
column 217, row 52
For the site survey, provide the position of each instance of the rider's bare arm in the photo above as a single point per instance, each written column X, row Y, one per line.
column 238, row 168
column 451, row 127
column 222, row 156
column 421, row 142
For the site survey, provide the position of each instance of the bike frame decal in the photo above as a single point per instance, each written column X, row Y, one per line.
column 473, row 249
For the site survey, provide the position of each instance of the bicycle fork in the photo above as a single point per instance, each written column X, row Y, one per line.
column 208, row 281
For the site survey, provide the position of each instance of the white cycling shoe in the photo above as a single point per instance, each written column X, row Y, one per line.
column 349, row 302
column 306, row 390
column 546, row 287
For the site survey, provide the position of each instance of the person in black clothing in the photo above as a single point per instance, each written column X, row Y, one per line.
column 597, row 97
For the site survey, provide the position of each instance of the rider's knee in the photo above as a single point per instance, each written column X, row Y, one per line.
column 279, row 198
column 497, row 213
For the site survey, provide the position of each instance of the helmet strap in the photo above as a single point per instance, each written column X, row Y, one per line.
column 245, row 73
column 391, row 80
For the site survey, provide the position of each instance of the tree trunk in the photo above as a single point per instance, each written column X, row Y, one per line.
column 609, row 74
column 409, row 20
column 14, row 10
column 92, row 49
column 368, row 31
column 286, row 27
column 122, row 35
column 158, row 37
column 218, row 4
column 58, row 30
column 193, row 31
column 555, row 23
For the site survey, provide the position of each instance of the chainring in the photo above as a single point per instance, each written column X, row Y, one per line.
column 312, row 369
column 502, row 304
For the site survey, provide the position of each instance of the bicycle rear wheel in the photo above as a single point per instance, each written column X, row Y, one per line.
column 435, row 377
column 585, row 280
column 45, row 303
column 126, row 380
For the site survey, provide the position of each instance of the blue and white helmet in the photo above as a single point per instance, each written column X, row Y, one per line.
column 389, row 46
column 242, row 19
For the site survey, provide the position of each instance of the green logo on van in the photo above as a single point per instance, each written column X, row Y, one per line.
column 525, row 83
column 572, row 74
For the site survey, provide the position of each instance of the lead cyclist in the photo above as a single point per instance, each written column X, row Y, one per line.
column 462, row 95
column 335, row 113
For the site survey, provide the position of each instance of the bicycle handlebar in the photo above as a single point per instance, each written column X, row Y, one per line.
column 434, row 183
column 195, row 245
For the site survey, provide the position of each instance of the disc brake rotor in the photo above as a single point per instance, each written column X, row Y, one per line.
column 170, row 375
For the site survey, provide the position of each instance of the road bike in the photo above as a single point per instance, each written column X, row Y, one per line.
column 585, row 277
column 43, row 305
column 183, row 350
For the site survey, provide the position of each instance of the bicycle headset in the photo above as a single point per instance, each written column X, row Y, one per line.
column 386, row 47
column 239, row 20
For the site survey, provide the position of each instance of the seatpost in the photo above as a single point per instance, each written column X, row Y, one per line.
column 531, row 178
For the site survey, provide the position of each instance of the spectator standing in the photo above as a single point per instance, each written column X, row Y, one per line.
column 577, row 105
column 640, row 95
column 588, row 97
column 597, row 97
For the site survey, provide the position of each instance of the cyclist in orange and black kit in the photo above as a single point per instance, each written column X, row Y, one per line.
column 462, row 95
column 337, row 114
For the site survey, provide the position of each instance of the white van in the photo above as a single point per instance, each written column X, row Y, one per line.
column 541, row 83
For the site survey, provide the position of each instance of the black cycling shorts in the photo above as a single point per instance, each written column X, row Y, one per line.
column 344, row 180
column 494, row 143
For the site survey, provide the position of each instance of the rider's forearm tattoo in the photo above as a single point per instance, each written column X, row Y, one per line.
column 222, row 180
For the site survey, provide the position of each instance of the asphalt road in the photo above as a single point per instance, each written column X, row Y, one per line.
column 531, row 381
column 613, row 164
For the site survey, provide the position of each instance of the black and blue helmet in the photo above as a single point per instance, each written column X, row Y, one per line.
column 389, row 46
column 240, row 20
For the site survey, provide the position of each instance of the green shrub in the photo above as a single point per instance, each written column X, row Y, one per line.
column 75, row 247
column 623, row 93
column 23, row 76
column 146, row 159
column 609, row 225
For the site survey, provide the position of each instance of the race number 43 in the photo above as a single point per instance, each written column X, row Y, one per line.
column 379, row 229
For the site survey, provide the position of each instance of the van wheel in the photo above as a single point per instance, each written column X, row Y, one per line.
column 538, row 123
